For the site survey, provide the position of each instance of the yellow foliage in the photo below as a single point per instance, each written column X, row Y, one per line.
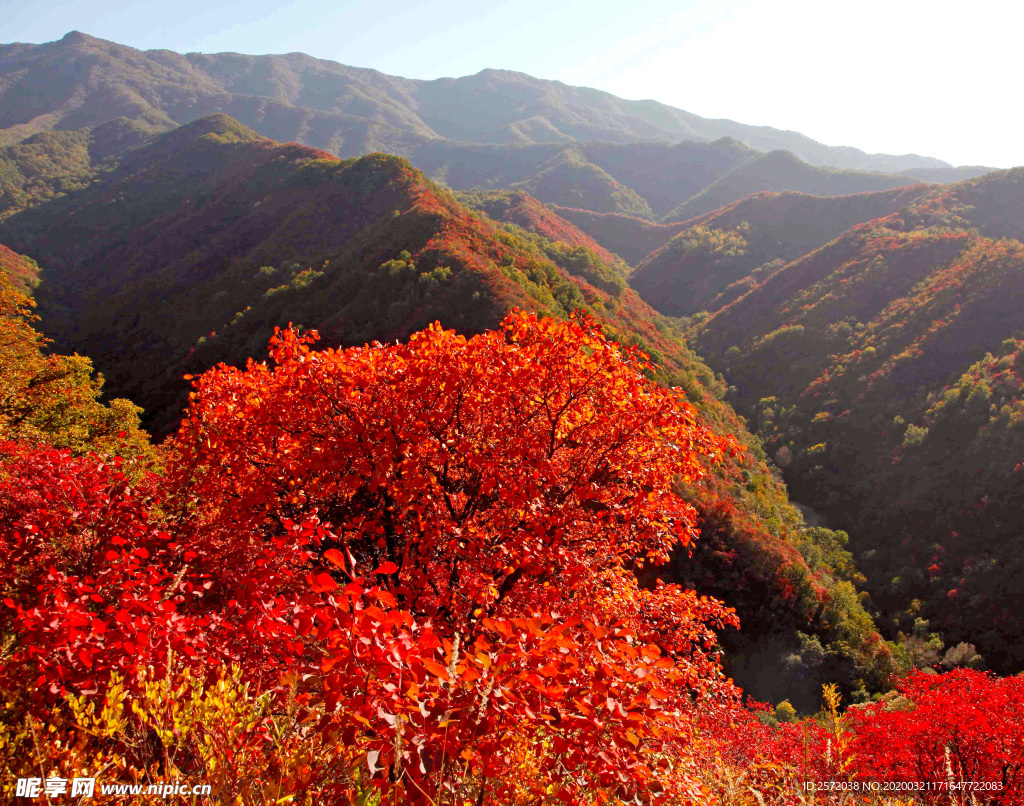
column 54, row 398
column 250, row 748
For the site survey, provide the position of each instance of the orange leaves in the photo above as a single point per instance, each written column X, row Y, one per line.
column 435, row 669
column 499, row 625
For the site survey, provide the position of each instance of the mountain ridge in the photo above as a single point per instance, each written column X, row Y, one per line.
column 326, row 100
column 68, row 105
column 717, row 256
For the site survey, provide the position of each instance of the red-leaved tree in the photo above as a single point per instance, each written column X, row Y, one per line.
column 469, row 514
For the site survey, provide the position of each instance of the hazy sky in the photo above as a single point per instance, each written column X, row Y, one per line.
column 936, row 78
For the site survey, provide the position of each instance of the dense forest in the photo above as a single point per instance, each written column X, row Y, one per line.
column 880, row 370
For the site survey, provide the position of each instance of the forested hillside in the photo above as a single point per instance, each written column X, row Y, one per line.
column 50, row 164
column 777, row 171
column 640, row 179
column 651, row 181
column 712, row 259
column 192, row 249
column 527, row 213
column 630, row 237
column 21, row 272
column 881, row 369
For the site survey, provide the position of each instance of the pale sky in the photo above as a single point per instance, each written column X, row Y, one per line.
column 936, row 78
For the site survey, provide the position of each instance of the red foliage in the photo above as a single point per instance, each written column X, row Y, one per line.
column 85, row 567
column 434, row 539
column 961, row 726
column 470, row 509
column 97, row 579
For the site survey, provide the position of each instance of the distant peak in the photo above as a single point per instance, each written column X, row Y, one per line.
column 76, row 38
column 726, row 142
column 781, row 155
column 224, row 127
column 491, row 72
column 219, row 123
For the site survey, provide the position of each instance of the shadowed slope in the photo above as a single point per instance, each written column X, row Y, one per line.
column 779, row 171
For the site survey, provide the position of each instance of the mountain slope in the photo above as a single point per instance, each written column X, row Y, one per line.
column 524, row 211
column 662, row 175
column 779, row 171
column 628, row 236
column 882, row 370
column 53, row 399
column 52, row 163
column 21, row 272
column 81, row 81
column 719, row 256
column 570, row 180
column 640, row 180
column 188, row 251
column 575, row 175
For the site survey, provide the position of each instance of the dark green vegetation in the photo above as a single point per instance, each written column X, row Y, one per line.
column 189, row 250
column 883, row 372
column 52, row 163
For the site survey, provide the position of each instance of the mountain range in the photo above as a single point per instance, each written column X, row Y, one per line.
column 882, row 371
column 573, row 146
column 83, row 81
